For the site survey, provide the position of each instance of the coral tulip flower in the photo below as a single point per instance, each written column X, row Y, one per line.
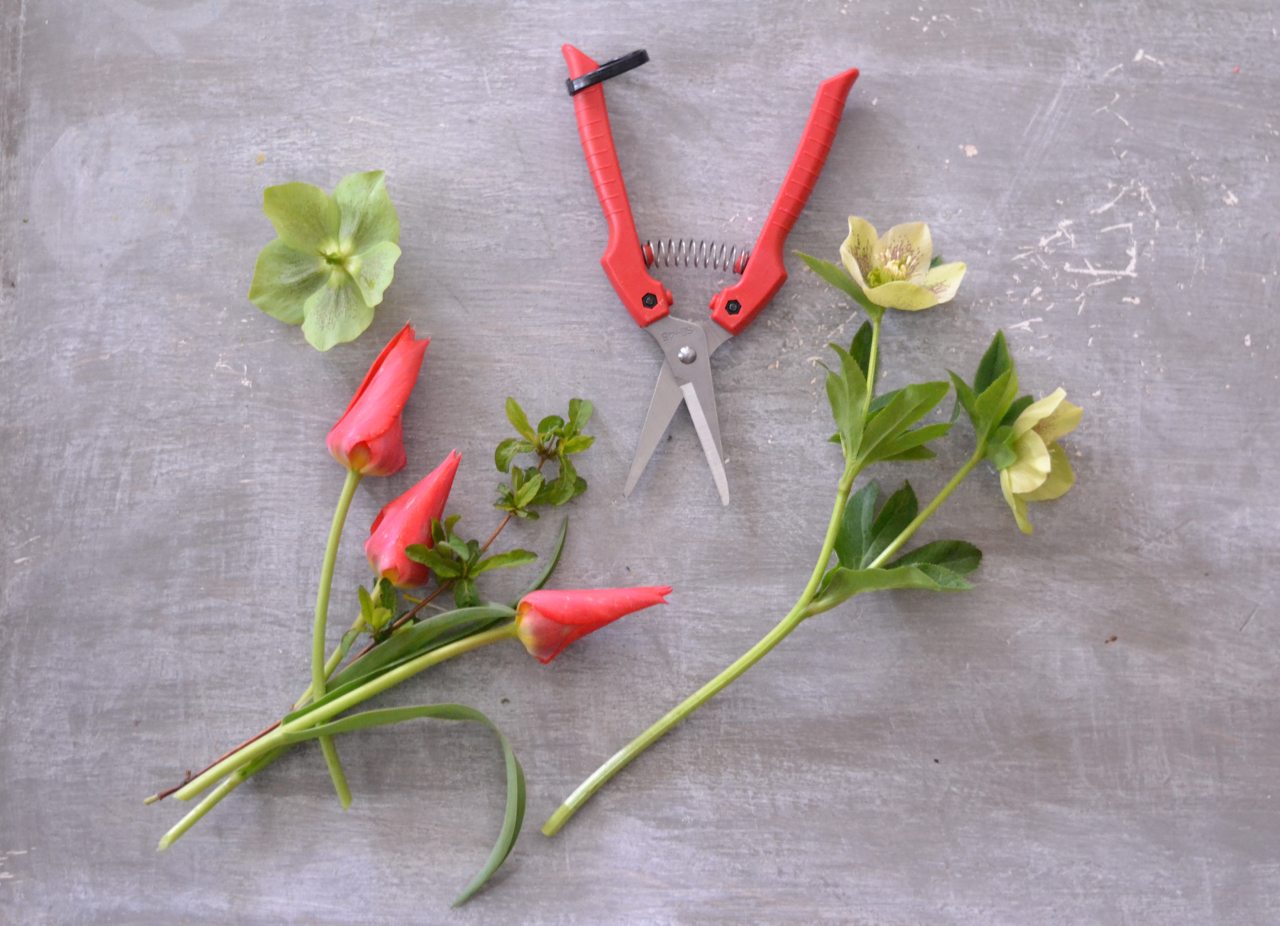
column 548, row 621
column 368, row 438
column 407, row 521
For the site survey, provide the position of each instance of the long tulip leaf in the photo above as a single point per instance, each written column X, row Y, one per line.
column 512, row 818
column 552, row 561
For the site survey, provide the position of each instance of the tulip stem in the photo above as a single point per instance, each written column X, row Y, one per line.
column 319, row 679
column 623, row 757
column 375, row 686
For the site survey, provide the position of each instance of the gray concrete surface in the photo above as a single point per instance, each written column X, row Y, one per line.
column 1091, row 736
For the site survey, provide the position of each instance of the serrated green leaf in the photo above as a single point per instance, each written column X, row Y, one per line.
column 860, row 347
column 1017, row 408
column 911, row 454
column 855, row 528
column 994, row 362
column 994, row 402
column 898, row 511
column 505, row 560
column 519, row 421
column 909, row 405
column 513, row 816
column 966, row 398
column 957, row 556
column 907, row 444
column 840, row 584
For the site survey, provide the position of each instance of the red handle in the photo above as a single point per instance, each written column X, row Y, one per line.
column 736, row 306
column 644, row 297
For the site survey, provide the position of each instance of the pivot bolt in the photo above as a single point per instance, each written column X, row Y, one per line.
column 686, row 354
column 649, row 300
column 733, row 307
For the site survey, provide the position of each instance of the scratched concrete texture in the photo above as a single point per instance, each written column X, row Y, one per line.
column 1091, row 735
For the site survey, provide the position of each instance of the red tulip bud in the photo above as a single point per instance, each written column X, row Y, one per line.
column 407, row 521
column 368, row 438
column 548, row 621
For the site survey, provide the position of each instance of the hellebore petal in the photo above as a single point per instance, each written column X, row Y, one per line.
column 944, row 280
column 305, row 217
column 284, row 278
column 335, row 313
column 368, row 218
column 407, row 521
column 858, row 249
column 903, row 295
column 1040, row 470
column 367, row 438
column 373, row 269
column 549, row 620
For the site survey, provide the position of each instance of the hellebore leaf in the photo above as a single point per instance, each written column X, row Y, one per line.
column 855, row 529
column 957, row 556
column 841, row 584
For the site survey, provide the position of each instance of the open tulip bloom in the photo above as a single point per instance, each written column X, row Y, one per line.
column 411, row 542
column 864, row 548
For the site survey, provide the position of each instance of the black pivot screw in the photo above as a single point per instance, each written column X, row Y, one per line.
column 649, row 300
column 733, row 307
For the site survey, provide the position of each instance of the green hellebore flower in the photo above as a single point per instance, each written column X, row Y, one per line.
column 334, row 257
column 1041, row 471
column 894, row 271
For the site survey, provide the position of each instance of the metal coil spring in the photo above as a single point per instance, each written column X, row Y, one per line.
column 694, row 252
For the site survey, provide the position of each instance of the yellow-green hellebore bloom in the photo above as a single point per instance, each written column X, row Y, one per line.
column 1041, row 471
column 894, row 271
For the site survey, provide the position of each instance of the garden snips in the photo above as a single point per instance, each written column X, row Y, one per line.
column 687, row 346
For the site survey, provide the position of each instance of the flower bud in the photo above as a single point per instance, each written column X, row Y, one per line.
column 407, row 521
column 368, row 437
column 547, row 621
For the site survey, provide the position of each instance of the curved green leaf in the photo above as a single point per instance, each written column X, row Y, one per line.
column 552, row 561
column 512, row 818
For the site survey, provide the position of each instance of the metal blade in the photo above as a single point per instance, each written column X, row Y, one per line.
column 707, row 436
column 662, row 408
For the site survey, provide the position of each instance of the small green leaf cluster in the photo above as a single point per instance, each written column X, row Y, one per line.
column 866, row 538
column 879, row 429
column 991, row 401
column 379, row 607
column 554, row 440
column 459, row 560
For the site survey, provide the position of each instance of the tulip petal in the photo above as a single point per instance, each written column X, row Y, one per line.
column 335, row 314
column 406, row 521
column 548, row 620
column 1036, row 412
column 375, row 271
column 283, row 278
column 910, row 243
column 1016, row 504
column 901, row 294
column 1060, row 480
column 1062, row 421
column 1031, row 469
column 368, row 217
column 944, row 280
column 858, row 249
column 305, row 217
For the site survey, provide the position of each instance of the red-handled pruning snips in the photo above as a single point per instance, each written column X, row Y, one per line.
column 687, row 346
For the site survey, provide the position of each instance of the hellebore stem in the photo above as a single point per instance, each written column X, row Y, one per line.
column 623, row 757
column 319, row 678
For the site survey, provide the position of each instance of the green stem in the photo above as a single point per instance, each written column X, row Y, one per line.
column 623, row 757
column 278, row 737
column 929, row 509
column 336, row 657
column 872, row 356
column 318, row 677
column 214, row 797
